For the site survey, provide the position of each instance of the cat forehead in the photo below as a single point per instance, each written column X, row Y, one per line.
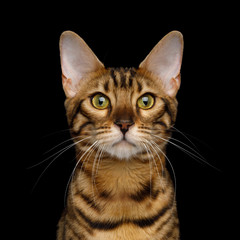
column 124, row 79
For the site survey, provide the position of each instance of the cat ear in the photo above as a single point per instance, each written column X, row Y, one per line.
column 164, row 61
column 77, row 60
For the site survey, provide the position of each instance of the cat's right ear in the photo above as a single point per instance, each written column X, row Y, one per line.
column 77, row 60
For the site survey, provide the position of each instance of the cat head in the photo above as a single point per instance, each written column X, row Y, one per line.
column 122, row 110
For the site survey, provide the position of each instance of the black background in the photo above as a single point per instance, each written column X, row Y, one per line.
column 124, row 38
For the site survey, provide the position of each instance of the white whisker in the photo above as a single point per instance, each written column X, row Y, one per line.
column 196, row 152
column 59, row 154
column 74, row 169
column 193, row 155
column 68, row 140
column 174, row 175
column 93, row 171
column 157, row 155
column 148, row 143
column 99, row 159
column 177, row 130
column 150, row 168
column 96, row 172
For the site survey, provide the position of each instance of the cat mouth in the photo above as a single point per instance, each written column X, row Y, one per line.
column 123, row 142
column 123, row 149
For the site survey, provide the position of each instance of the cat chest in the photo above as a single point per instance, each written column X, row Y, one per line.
column 124, row 232
column 119, row 221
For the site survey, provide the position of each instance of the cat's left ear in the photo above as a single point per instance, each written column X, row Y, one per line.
column 77, row 61
column 164, row 61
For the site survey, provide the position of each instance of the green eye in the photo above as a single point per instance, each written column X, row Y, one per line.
column 146, row 101
column 100, row 101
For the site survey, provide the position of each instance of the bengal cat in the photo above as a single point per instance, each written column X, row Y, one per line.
column 120, row 120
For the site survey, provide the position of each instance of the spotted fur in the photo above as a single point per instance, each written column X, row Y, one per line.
column 120, row 187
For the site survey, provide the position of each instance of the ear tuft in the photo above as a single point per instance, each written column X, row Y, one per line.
column 164, row 61
column 77, row 60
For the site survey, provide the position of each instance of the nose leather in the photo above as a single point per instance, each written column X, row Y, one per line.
column 124, row 125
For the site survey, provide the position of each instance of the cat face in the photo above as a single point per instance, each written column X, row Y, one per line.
column 121, row 110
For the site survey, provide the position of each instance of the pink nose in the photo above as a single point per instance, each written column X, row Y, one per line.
column 124, row 125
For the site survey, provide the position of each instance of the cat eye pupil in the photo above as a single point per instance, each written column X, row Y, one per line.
column 145, row 100
column 101, row 101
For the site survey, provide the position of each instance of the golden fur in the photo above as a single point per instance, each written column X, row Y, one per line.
column 120, row 190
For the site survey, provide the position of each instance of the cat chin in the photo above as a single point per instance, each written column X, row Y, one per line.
column 123, row 150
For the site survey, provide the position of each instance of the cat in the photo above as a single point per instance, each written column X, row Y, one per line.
column 120, row 120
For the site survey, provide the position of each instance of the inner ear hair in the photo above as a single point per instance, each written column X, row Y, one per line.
column 164, row 61
column 77, row 61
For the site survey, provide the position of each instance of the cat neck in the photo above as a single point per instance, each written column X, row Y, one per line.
column 120, row 178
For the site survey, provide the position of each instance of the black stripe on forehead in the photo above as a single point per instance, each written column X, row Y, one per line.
column 132, row 72
column 122, row 77
column 113, row 75
column 106, row 86
column 130, row 82
column 139, row 86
